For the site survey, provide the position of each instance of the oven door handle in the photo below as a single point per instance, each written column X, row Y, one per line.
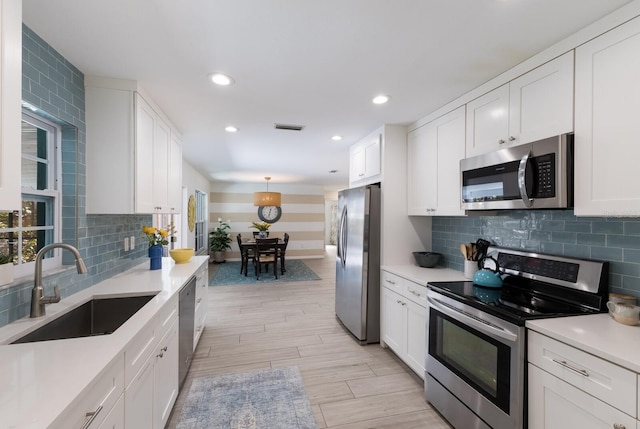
column 522, row 182
column 477, row 322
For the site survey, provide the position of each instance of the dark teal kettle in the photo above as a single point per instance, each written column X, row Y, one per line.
column 487, row 277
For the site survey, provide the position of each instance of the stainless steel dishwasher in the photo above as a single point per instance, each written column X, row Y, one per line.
column 185, row 324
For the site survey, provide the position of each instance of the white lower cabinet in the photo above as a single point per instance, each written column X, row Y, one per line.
column 568, row 387
column 95, row 403
column 165, row 377
column 115, row 419
column 554, row 403
column 202, row 279
column 404, row 320
column 139, row 398
column 152, row 393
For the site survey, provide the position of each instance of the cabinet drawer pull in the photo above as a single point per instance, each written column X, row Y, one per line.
column 389, row 281
column 90, row 417
column 619, row 426
column 414, row 292
column 566, row 365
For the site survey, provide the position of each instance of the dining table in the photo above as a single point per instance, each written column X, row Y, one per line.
column 250, row 243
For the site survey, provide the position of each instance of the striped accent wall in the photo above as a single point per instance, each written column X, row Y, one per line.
column 303, row 216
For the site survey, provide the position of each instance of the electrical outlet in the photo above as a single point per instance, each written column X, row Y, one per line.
column 132, row 242
column 126, row 244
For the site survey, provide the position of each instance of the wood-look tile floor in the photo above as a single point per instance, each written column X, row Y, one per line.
column 349, row 386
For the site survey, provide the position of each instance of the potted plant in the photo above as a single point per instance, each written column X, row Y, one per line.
column 220, row 240
column 6, row 268
column 262, row 227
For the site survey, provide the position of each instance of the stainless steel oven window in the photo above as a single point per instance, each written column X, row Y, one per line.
column 481, row 361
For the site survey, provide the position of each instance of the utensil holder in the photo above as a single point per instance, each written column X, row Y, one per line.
column 470, row 268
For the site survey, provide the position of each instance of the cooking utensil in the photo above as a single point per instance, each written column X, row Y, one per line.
column 463, row 250
column 469, row 251
column 482, row 245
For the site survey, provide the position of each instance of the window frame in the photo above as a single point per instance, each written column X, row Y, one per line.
column 53, row 191
column 200, row 230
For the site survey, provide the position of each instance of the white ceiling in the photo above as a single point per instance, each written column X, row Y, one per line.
column 316, row 63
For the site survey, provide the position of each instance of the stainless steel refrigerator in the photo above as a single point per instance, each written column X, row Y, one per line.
column 358, row 262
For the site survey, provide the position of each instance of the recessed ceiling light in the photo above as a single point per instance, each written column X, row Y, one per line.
column 231, row 129
column 381, row 99
column 221, row 79
column 336, row 138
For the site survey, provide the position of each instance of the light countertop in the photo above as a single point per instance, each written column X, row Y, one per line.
column 39, row 380
column 422, row 276
column 598, row 334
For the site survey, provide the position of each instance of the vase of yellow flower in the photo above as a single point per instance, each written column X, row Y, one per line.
column 156, row 238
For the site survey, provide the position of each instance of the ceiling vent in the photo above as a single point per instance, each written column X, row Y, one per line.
column 289, row 127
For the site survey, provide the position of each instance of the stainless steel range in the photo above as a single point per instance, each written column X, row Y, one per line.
column 476, row 338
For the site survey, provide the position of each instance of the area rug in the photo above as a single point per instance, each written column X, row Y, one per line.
column 266, row 399
column 229, row 274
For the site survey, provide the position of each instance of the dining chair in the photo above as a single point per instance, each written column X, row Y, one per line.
column 246, row 253
column 266, row 253
column 281, row 253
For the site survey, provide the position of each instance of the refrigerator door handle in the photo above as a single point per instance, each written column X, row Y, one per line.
column 342, row 237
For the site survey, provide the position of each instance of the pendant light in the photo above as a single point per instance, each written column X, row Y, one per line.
column 267, row 198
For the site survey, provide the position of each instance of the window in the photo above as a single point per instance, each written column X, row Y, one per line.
column 201, row 220
column 24, row 232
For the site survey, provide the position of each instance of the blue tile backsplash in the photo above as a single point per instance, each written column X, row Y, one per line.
column 558, row 232
column 56, row 88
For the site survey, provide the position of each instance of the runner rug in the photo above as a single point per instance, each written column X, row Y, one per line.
column 266, row 399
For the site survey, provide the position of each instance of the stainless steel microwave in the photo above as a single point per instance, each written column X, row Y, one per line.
column 537, row 175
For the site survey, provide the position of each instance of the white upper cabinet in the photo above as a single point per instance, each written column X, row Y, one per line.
column 434, row 152
column 607, row 128
column 534, row 106
column 365, row 160
column 134, row 157
column 488, row 122
column 10, row 96
column 174, row 191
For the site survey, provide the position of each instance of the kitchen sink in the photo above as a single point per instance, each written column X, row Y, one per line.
column 95, row 317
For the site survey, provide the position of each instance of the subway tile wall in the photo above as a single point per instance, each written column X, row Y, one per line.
column 56, row 88
column 558, row 232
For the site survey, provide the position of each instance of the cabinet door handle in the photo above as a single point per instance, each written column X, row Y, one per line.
column 566, row 365
column 90, row 417
column 501, row 141
column 619, row 426
column 512, row 138
column 398, row 301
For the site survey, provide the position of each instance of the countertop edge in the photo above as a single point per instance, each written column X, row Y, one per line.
column 597, row 334
column 422, row 276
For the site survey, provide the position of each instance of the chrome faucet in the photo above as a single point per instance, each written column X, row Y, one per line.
column 38, row 300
